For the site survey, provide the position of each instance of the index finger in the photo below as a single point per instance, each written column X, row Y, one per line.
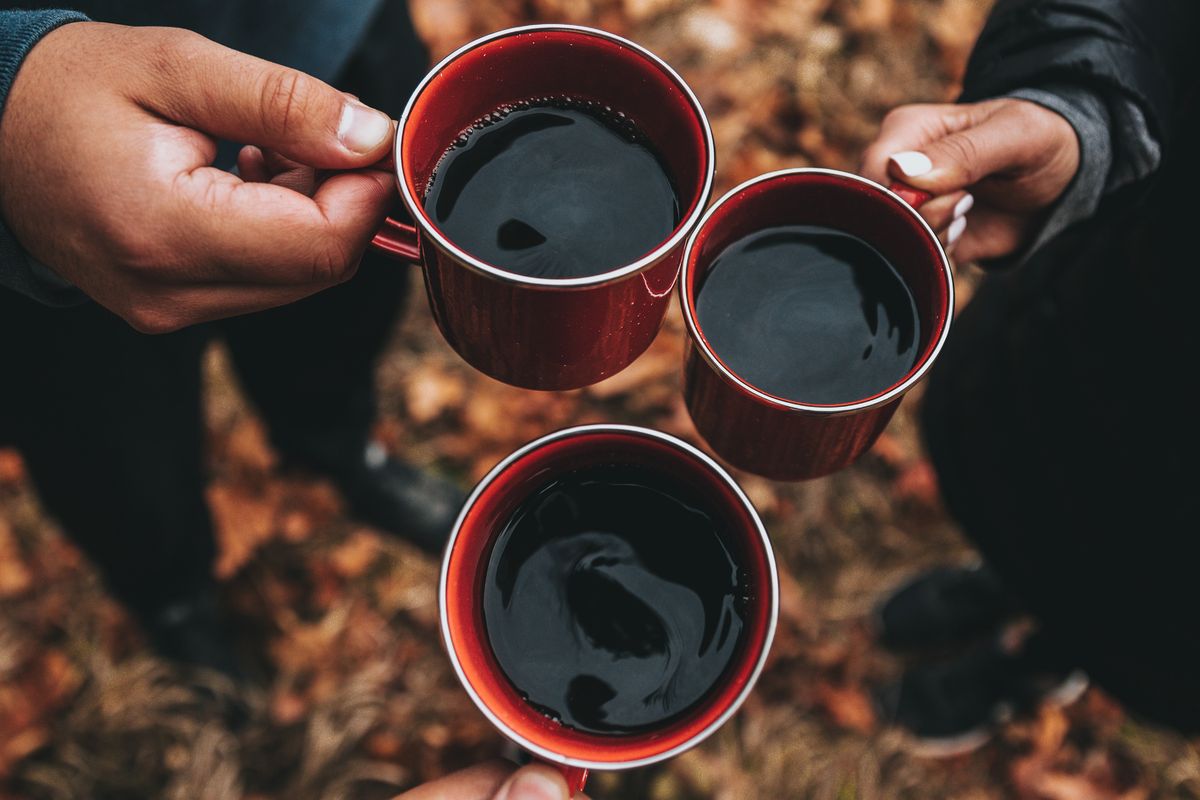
column 911, row 127
column 226, row 230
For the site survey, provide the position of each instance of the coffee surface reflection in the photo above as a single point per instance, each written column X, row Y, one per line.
column 611, row 599
column 809, row 314
column 553, row 189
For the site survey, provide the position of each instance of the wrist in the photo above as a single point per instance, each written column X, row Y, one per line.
column 20, row 33
column 1088, row 117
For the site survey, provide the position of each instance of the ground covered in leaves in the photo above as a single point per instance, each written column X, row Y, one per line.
column 361, row 701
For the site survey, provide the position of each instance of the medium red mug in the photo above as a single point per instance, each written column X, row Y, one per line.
column 460, row 595
column 541, row 333
column 770, row 435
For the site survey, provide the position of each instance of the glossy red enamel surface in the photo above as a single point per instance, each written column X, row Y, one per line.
column 547, row 334
column 466, row 563
column 546, row 338
column 770, row 436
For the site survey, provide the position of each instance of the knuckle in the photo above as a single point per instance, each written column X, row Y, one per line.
column 140, row 251
column 208, row 197
column 170, row 50
column 132, row 248
column 152, row 319
column 283, row 100
column 334, row 264
column 964, row 152
column 134, row 242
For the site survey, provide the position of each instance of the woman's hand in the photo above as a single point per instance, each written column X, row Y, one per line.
column 497, row 780
column 994, row 169
column 105, row 150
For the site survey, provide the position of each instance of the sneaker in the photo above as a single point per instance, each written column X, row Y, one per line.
column 942, row 607
column 402, row 500
column 191, row 632
column 953, row 707
column 950, row 708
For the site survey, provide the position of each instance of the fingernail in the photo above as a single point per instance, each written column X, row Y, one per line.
column 363, row 129
column 963, row 206
column 956, row 231
column 912, row 163
column 533, row 785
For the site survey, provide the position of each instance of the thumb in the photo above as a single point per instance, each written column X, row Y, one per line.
column 534, row 782
column 965, row 157
column 231, row 95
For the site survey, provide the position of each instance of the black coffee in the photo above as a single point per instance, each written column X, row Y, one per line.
column 809, row 314
column 553, row 190
column 611, row 599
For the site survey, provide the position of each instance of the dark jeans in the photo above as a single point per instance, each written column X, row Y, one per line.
column 109, row 420
column 1066, row 448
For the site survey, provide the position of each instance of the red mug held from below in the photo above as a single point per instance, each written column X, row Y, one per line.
column 774, row 436
column 543, row 333
column 461, row 590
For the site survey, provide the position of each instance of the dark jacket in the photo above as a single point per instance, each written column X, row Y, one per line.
column 1058, row 416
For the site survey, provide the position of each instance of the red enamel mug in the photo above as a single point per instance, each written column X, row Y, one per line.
column 541, row 333
column 774, row 436
column 460, row 594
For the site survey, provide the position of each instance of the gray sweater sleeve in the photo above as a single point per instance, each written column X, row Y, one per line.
column 1104, row 126
column 19, row 32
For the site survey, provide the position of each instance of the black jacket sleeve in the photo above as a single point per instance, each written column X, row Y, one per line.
column 1117, row 70
column 1142, row 51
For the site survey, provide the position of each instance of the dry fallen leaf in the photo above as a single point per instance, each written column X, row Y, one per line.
column 918, row 482
column 244, row 521
column 15, row 577
column 12, row 468
column 431, row 391
column 354, row 556
column 847, row 706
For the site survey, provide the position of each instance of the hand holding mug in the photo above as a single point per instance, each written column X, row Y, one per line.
column 105, row 150
column 1006, row 161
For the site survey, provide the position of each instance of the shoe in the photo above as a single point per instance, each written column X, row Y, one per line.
column 402, row 500
column 190, row 632
column 953, row 707
column 945, row 606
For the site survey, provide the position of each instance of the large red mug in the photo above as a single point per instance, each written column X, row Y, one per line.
column 460, row 594
column 774, row 436
column 541, row 333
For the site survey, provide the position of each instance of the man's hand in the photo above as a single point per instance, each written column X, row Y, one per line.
column 105, row 147
column 498, row 780
column 1005, row 161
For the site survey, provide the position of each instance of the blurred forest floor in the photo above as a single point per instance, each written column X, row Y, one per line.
column 362, row 701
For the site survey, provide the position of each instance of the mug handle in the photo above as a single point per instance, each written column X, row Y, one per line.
column 398, row 240
column 914, row 197
column 576, row 777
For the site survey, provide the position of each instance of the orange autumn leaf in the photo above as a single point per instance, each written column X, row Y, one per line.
column 354, row 556
column 431, row 390
column 847, row 706
column 244, row 521
column 12, row 468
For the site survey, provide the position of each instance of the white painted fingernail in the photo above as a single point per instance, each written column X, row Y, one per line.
column 956, row 231
column 363, row 129
column 912, row 163
column 963, row 206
